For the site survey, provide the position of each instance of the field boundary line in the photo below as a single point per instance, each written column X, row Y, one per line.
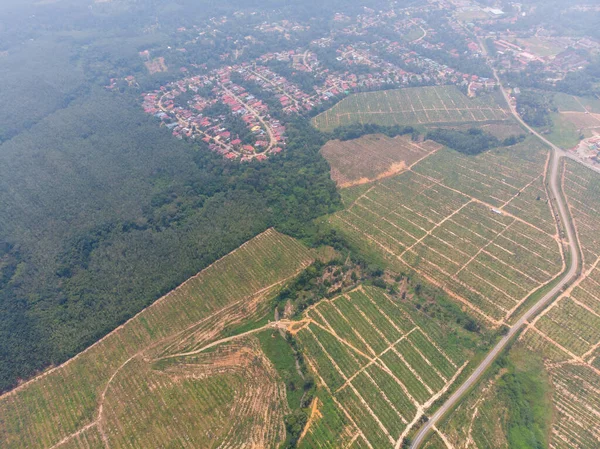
column 487, row 205
column 443, row 438
column 336, row 401
column 351, row 442
column 427, row 361
column 343, row 341
column 395, row 212
column 74, row 434
column 435, row 345
column 379, row 229
column 482, row 249
column 427, row 404
column 385, row 398
column 354, row 331
column 362, row 290
column 459, row 298
column 412, row 370
column 232, row 305
column 448, row 217
column 567, row 292
column 363, row 195
column 516, row 195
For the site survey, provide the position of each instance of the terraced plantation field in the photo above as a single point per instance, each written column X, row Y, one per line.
column 382, row 364
column 568, row 332
column 373, row 157
column 117, row 393
column 480, row 227
column 411, row 106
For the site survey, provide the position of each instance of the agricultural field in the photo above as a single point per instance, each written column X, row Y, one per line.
column 165, row 358
column 382, row 364
column 480, row 227
column 566, row 336
column 411, row 106
column 373, row 157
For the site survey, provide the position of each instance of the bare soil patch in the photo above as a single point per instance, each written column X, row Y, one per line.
column 373, row 157
column 156, row 65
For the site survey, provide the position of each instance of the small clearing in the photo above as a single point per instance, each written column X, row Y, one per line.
column 156, row 65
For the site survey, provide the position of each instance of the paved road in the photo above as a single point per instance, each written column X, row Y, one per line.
column 554, row 178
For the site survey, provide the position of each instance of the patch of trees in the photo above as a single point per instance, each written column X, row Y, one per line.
column 523, row 392
column 296, row 421
column 471, row 142
column 534, row 108
column 357, row 130
column 581, row 83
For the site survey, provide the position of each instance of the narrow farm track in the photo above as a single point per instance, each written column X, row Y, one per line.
column 554, row 184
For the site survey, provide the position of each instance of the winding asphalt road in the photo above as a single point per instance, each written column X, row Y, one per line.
column 553, row 178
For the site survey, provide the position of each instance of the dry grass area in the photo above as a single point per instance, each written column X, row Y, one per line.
column 479, row 227
column 373, row 157
column 165, row 359
column 156, row 65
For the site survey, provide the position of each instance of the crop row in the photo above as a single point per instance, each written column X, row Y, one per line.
column 577, row 404
column 572, row 326
column 330, row 429
column 89, row 439
column 409, row 106
column 532, row 206
column 491, row 177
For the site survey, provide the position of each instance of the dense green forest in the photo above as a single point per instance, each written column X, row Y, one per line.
column 472, row 141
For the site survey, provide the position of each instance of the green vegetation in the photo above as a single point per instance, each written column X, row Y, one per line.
column 419, row 354
column 534, row 108
column 563, row 132
column 471, row 142
column 282, row 355
column 355, row 131
column 426, row 220
column 524, row 390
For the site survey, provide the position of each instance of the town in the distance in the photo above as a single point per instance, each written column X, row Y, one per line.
column 239, row 102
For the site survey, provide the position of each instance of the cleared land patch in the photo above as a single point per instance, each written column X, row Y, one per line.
column 91, row 393
column 411, row 106
column 480, row 227
column 373, row 157
column 156, row 65
column 381, row 362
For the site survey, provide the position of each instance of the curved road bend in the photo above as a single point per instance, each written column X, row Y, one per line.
column 554, row 183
